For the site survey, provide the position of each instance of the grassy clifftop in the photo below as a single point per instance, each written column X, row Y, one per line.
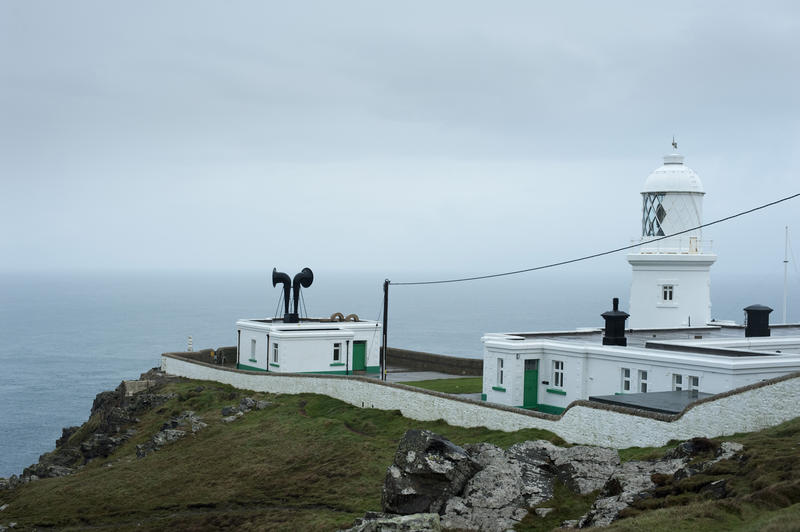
column 305, row 459
column 314, row 463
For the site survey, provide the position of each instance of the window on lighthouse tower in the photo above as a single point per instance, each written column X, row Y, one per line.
column 666, row 292
column 653, row 214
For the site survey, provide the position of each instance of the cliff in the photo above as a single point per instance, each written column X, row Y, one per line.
column 162, row 452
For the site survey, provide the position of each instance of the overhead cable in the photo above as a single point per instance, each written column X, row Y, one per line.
column 602, row 253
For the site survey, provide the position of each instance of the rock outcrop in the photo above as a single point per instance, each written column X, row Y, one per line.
column 379, row 522
column 173, row 430
column 427, row 471
column 112, row 421
column 484, row 487
column 232, row 413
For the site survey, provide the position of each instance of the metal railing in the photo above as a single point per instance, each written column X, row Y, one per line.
column 677, row 245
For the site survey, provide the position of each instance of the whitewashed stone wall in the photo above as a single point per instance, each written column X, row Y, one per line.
column 751, row 409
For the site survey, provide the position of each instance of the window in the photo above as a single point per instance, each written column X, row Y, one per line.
column 275, row 353
column 677, row 382
column 558, row 373
column 667, row 292
column 499, row 371
column 694, row 382
column 252, row 349
column 337, row 352
column 653, row 214
column 642, row 381
column 626, row 379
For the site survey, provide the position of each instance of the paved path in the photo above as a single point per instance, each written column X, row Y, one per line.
column 407, row 375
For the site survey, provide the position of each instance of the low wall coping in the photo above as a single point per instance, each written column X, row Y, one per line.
column 531, row 413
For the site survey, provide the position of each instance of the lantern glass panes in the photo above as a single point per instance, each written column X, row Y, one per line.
column 653, row 214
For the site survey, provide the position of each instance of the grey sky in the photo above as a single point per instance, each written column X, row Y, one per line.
column 428, row 136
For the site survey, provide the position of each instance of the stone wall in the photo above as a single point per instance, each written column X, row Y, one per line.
column 418, row 360
column 221, row 355
column 751, row 408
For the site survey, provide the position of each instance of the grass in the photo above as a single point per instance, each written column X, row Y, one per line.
column 459, row 385
column 311, row 462
column 763, row 490
column 308, row 460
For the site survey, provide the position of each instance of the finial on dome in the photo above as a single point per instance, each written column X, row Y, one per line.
column 674, row 144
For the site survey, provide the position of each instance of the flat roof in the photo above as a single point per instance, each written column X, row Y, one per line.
column 663, row 402
column 686, row 339
column 277, row 321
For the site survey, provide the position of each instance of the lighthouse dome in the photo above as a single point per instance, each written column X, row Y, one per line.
column 673, row 176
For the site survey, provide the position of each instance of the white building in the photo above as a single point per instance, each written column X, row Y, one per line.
column 671, row 345
column 671, row 283
column 291, row 344
column 312, row 345
column 548, row 371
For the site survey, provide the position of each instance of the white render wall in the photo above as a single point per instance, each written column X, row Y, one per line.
column 750, row 410
column 592, row 369
column 690, row 276
column 301, row 350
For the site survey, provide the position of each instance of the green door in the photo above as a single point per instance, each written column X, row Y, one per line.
column 531, row 385
column 359, row 356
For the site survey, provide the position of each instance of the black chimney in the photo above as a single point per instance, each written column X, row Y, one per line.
column 615, row 325
column 757, row 321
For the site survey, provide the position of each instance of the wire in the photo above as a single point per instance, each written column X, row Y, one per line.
column 602, row 253
column 303, row 303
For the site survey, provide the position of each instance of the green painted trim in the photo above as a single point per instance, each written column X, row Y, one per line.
column 373, row 369
column 252, row 360
column 498, row 388
column 619, row 393
column 556, row 391
column 548, row 409
column 274, row 365
column 249, row 368
column 483, row 397
column 337, row 364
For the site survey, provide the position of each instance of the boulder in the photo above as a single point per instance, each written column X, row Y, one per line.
column 47, row 471
column 497, row 496
column 229, row 411
column 426, row 472
column 171, row 431
column 230, row 419
column 380, row 522
column 631, row 481
column 247, row 404
column 585, row 469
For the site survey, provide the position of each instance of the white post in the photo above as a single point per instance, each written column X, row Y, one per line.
column 189, row 346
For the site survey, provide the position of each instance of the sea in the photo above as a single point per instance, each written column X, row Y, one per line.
column 64, row 337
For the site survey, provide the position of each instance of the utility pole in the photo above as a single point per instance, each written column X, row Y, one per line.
column 385, row 326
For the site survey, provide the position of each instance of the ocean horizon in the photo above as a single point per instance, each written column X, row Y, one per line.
column 68, row 336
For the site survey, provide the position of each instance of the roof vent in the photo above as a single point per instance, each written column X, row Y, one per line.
column 615, row 325
column 756, row 321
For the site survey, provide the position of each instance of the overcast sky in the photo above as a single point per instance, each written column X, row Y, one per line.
column 427, row 136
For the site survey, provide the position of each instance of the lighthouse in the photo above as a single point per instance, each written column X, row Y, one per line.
column 671, row 284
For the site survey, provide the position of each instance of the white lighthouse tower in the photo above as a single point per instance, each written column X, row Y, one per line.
column 671, row 284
